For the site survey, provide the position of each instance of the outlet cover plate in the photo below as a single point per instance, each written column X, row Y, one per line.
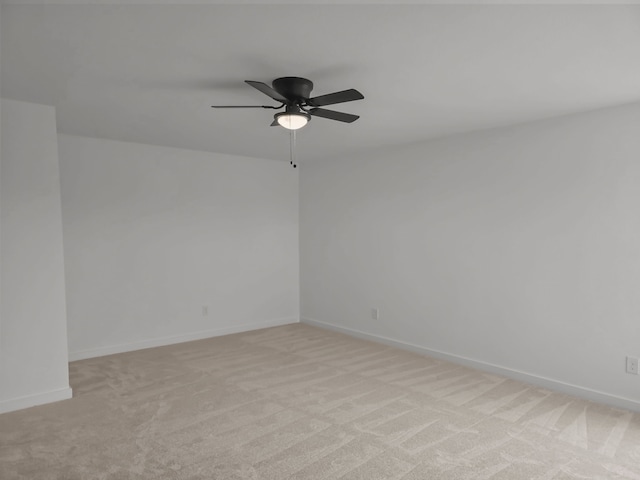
column 632, row 365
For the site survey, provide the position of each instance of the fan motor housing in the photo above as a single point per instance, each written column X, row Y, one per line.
column 293, row 88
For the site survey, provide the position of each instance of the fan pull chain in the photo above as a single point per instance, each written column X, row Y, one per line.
column 292, row 148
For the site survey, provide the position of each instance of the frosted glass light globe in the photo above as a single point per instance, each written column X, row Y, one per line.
column 292, row 121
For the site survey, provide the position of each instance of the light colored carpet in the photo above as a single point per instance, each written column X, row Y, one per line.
column 297, row 402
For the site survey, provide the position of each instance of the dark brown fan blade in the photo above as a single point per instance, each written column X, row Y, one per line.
column 274, row 123
column 333, row 115
column 267, row 90
column 337, row 97
column 244, row 106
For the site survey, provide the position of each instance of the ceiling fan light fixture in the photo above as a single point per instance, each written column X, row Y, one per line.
column 292, row 120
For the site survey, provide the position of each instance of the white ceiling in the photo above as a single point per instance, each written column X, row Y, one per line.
column 149, row 73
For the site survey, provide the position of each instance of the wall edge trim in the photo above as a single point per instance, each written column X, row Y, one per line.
column 35, row 399
column 539, row 381
column 173, row 339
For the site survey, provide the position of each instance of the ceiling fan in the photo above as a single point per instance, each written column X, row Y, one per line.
column 293, row 93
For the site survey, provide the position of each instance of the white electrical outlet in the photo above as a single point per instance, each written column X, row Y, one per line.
column 632, row 365
column 375, row 314
column 205, row 310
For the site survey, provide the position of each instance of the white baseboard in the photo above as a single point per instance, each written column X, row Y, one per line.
column 188, row 337
column 549, row 383
column 36, row 399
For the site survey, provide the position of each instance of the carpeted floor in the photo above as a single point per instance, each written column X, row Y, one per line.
column 297, row 402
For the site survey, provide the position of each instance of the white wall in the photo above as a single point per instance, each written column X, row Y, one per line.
column 153, row 234
column 0, row 176
column 33, row 344
column 515, row 249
